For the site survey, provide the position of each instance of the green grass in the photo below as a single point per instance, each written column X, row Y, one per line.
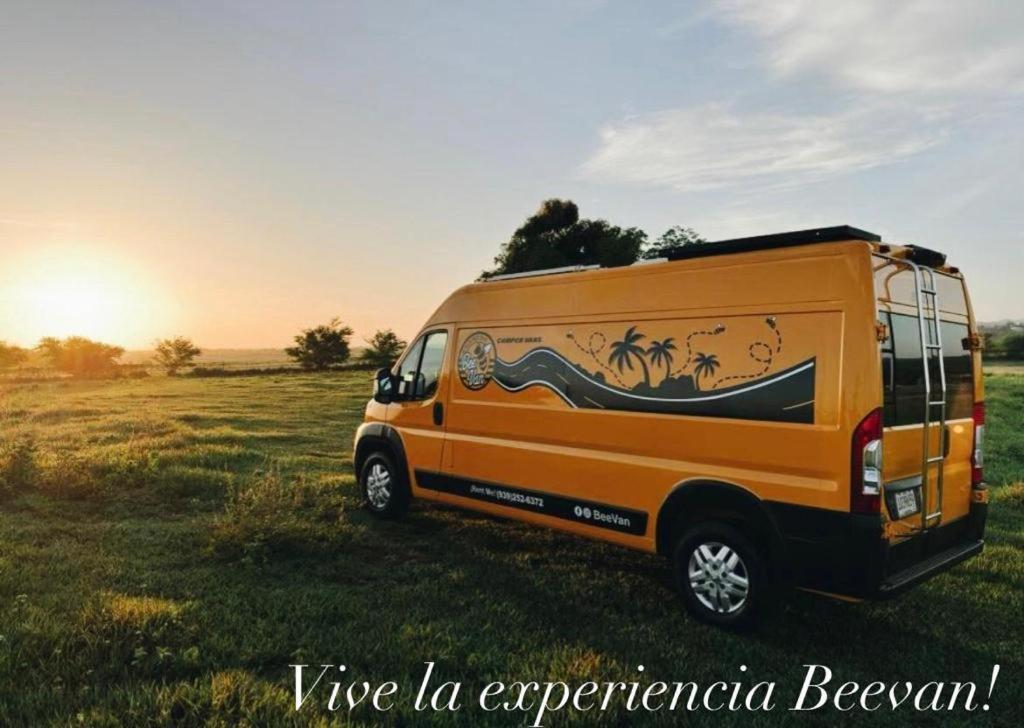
column 169, row 546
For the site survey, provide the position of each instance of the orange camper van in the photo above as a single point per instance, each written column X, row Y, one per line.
column 796, row 409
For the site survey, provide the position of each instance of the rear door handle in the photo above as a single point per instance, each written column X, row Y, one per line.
column 438, row 413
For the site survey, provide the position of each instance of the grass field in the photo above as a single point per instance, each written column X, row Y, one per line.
column 169, row 546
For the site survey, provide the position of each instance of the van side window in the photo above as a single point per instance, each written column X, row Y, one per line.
column 420, row 369
column 430, row 366
column 407, row 369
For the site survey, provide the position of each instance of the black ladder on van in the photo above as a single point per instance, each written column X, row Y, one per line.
column 931, row 345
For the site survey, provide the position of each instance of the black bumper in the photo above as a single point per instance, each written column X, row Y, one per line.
column 847, row 554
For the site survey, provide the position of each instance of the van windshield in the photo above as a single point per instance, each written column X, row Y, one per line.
column 902, row 366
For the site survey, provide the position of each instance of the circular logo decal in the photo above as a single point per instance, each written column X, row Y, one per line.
column 476, row 361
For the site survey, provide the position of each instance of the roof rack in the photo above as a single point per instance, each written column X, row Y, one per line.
column 542, row 272
column 835, row 234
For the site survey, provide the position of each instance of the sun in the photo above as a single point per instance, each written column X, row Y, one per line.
column 77, row 293
column 70, row 304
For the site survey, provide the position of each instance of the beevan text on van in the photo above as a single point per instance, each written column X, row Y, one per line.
column 798, row 409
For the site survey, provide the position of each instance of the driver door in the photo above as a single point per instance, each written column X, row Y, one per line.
column 418, row 409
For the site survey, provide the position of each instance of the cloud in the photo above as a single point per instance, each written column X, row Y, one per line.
column 714, row 145
column 905, row 74
column 915, row 46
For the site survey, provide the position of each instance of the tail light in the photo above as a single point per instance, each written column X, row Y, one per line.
column 866, row 465
column 977, row 457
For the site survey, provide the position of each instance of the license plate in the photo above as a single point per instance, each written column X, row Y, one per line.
column 906, row 503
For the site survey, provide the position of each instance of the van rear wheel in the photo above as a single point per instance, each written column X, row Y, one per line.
column 383, row 485
column 722, row 575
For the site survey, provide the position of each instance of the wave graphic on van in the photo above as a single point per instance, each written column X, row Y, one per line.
column 787, row 396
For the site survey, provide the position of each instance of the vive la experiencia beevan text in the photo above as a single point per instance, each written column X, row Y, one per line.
column 326, row 685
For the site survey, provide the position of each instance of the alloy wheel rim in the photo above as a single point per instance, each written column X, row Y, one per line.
column 718, row 577
column 378, row 486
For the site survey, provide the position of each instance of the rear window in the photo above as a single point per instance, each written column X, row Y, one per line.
column 894, row 284
column 902, row 365
column 903, row 372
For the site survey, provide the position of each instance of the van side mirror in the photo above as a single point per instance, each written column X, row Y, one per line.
column 383, row 386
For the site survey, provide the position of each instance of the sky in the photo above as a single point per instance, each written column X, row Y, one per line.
column 237, row 171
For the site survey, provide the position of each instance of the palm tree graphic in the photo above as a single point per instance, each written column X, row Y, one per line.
column 624, row 351
column 661, row 351
column 706, row 365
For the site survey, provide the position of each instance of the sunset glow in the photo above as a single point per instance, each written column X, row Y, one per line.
column 188, row 172
column 64, row 292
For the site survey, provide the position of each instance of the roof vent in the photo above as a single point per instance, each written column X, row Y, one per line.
column 926, row 256
column 839, row 233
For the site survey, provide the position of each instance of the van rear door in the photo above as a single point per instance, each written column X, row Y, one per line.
column 928, row 395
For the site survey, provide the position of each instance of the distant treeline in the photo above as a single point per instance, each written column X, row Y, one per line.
column 1003, row 340
column 322, row 348
column 264, row 371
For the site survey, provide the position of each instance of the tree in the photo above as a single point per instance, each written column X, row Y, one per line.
column 80, row 357
column 624, row 351
column 675, row 237
column 1013, row 345
column 706, row 365
column 174, row 354
column 11, row 355
column 385, row 348
column 321, row 347
column 662, row 351
column 555, row 237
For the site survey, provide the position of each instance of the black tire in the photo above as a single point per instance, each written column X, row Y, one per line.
column 720, row 599
column 391, row 501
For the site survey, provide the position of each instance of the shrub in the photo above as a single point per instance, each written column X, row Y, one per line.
column 66, row 474
column 81, row 357
column 1013, row 345
column 175, row 354
column 11, row 356
column 384, row 350
column 273, row 515
column 321, row 347
column 17, row 464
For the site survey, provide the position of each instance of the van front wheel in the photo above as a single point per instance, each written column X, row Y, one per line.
column 384, row 488
column 723, row 577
